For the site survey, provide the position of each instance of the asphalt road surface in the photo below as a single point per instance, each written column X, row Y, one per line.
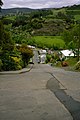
column 44, row 93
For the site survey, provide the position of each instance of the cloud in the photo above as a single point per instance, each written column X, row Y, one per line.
column 15, row 5
column 38, row 3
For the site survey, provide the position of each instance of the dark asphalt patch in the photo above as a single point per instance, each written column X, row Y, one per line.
column 71, row 105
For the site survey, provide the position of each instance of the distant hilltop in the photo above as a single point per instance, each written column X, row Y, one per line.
column 28, row 10
column 16, row 10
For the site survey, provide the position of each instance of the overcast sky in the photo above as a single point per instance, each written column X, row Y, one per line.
column 37, row 4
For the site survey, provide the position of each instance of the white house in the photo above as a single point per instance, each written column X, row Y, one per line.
column 43, row 58
column 33, row 47
column 42, row 51
column 66, row 54
column 42, row 55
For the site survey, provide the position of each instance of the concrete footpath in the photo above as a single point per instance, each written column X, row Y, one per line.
column 30, row 66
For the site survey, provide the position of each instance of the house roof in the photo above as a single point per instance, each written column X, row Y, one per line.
column 67, row 53
column 42, row 51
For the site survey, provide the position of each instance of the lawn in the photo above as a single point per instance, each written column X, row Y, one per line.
column 77, row 17
column 71, row 61
column 49, row 41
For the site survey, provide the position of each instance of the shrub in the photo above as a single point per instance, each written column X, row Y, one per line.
column 56, row 57
column 48, row 58
column 10, row 62
column 77, row 66
column 1, row 64
column 18, row 61
column 64, row 64
column 26, row 53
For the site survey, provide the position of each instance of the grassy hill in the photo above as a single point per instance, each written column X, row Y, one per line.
column 54, row 42
column 25, row 22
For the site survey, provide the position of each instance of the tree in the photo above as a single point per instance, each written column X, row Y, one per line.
column 76, row 38
column 1, row 33
column 26, row 53
column 6, row 42
column 1, row 3
column 72, row 38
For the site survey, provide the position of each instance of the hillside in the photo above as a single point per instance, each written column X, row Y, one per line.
column 16, row 10
column 74, row 7
column 41, row 22
column 74, row 11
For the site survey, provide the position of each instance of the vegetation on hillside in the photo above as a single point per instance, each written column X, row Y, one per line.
column 42, row 28
column 11, row 58
column 54, row 42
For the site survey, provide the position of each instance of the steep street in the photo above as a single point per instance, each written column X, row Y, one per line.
column 44, row 93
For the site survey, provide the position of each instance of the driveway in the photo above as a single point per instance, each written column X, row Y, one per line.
column 41, row 94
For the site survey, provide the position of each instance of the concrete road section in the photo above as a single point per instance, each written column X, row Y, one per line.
column 66, row 87
column 40, row 94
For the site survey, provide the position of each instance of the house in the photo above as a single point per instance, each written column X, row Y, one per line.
column 42, row 51
column 65, row 54
column 33, row 47
column 43, row 58
column 42, row 55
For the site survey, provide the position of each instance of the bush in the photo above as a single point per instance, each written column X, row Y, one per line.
column 48, row 58
column 11, row 63
column 26, row 53
column 64, row 64
column 77, row 66
column 1, row 64
column 18, row 61
column 56, row 57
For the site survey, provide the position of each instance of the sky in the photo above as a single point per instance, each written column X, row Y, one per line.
column 38, row 4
